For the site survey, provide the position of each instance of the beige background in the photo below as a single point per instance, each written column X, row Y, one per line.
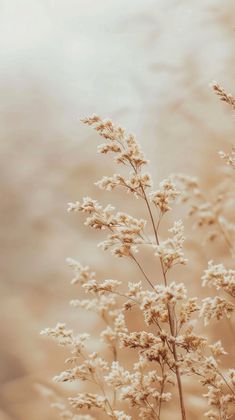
column 147, row 65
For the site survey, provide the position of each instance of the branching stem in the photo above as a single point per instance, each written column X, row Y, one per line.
column 170, row 314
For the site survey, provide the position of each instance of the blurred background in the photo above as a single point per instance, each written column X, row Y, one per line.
column 148, row 65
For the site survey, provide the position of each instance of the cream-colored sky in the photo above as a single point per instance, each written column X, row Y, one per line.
column 103, row 54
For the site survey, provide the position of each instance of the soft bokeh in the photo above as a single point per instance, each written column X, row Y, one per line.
column 148, row 65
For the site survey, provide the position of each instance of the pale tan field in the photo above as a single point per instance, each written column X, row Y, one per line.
column 147, row 65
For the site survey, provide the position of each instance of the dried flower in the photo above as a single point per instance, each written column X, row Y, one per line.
column 165, row 343
column 59, row 333
column 166, row 195
column 229, row 158
column 215, row 308
column 223, row 95
column 170, row 251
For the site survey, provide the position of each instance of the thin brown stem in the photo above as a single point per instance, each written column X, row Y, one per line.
column 155, row 415
column 98, row 381
column 225, row 381
column 114, row 391
column 142, row 271
column 170, row 314
column 161, row 391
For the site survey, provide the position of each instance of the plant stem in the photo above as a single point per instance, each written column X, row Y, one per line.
column 142, row 271
column 171, row 316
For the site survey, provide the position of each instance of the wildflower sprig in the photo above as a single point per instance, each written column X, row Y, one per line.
column 166, row 346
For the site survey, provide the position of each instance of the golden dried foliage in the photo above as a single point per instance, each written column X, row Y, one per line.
column 168, row 346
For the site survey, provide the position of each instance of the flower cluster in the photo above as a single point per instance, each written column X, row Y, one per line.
column 223, row 95
column 166, row 195
column 220, row 387
column 171, row 250
column 139, row 388
column 125, row 147
column 164, row 344
column 135, row 183
column 127, row 232
column 229, row 158
column 223, row 280
column 215, row 308
column 81, row 274
column 188, row 186
column 207, row 209
column 218, row 276
column 59, row 333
